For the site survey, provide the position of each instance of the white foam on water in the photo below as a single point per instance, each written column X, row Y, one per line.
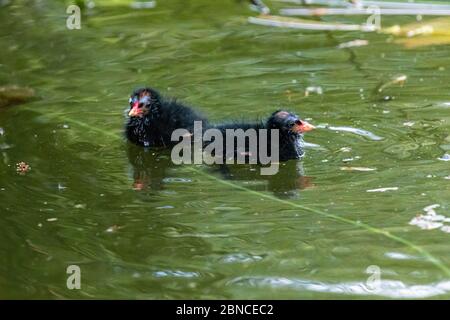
column 383, row 189
column 431, row 219
column 385, row 288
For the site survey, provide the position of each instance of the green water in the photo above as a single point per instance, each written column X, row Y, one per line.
column 309, row 232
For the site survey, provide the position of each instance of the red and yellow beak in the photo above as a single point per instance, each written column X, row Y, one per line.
column 135, row 111
column 303, row 127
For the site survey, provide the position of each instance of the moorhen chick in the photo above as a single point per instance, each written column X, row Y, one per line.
column 152, row 118
column 290, row 129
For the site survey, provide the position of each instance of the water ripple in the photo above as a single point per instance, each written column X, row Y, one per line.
column 387, row 288
column 240, row 258
column 175, row 273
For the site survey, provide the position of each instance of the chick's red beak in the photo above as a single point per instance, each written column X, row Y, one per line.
column 135, row 112
column 303, row 127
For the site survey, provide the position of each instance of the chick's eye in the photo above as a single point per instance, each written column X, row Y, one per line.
column 298, row 122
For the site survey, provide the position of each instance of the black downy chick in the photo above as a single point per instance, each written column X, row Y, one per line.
column 152, row 118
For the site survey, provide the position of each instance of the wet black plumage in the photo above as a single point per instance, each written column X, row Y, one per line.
column 290, row 143
column 156, row 118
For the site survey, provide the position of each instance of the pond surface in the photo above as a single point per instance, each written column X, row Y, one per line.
column 140, row 227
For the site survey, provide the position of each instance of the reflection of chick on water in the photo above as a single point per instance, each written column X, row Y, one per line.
column 150, row 170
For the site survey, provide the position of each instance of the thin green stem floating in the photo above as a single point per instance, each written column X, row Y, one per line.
column 385, row 233
column 435, row 261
